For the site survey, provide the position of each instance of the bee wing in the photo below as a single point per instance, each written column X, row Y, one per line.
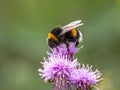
column 71, row 26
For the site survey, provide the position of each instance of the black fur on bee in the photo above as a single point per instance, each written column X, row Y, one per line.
column 55, row 37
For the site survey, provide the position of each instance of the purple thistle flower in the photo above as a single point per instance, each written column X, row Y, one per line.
column 84, row 77
column 63, row 70
column 64, row 51
column 57, row 67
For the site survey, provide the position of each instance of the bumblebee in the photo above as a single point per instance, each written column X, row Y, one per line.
column 65, row 35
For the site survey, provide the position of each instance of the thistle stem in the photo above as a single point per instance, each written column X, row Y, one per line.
column 61, row 84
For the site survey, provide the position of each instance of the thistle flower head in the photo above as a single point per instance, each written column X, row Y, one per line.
column 57, row 66
column 84, row 76
column 64, row 50
column 62, row 69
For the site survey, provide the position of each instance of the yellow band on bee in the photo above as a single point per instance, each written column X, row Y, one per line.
column 74, row 32
column 52, row 36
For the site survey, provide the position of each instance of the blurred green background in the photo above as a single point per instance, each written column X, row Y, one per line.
column 24, row 25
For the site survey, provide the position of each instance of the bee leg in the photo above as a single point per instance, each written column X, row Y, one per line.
column 67, row 46
column 76, row 44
